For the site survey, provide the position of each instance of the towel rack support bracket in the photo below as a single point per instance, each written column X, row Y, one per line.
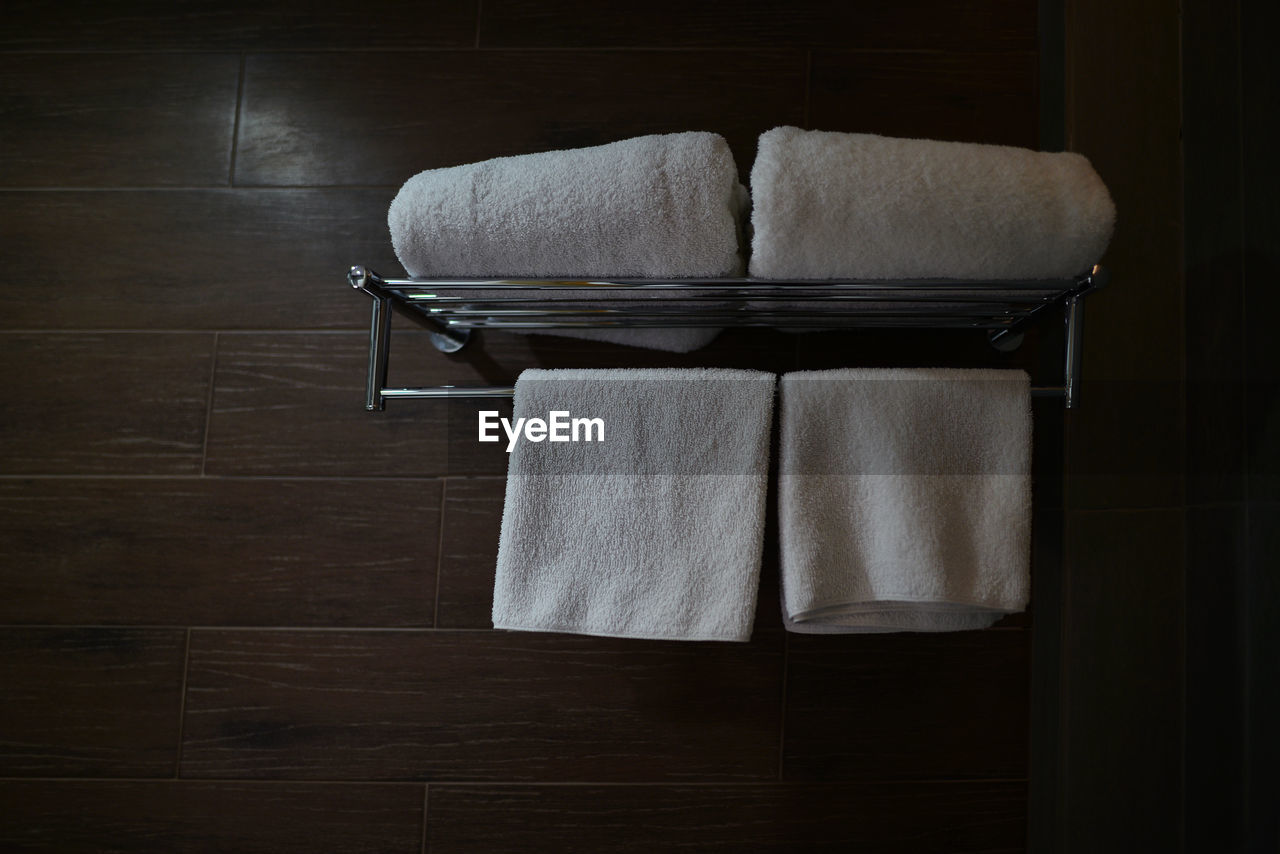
column 1005, row 340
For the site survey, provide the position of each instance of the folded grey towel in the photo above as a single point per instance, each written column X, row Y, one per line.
column 844, row 205
column 663, row 206
column 654, row 532
column 904, row 499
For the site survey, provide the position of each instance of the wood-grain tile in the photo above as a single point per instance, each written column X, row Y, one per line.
column 1123, row 659
column 294, row 404
column 478, row 706
column 469, row 551
column 1263, row 662
column 90, row 702
column 1261, row 215
column 375, row 118
column 210, row 552
column 1126, row 444
column 109, row 120
column 756, row 819
column 971, row 97
column 1213, row 216
column 204, row 259
column 237, row 25
column 68, row 817
column 907, row 706
column 879, row 25
column 1217, row 660
column 103, row 404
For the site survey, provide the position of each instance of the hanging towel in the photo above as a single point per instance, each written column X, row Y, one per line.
column 656, row 531
column 904, row 499
column 845, row 205
column 662, row 206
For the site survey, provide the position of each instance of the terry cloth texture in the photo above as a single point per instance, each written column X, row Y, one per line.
column 846, row 205
column 904, row 499
column 662, row 206
column 656, row 532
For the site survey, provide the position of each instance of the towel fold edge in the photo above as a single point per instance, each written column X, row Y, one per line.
column 601, row 633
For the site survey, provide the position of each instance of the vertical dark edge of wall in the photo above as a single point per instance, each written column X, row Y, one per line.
column 1119, row 779
column 1260, row 128
column 1232, row 256
column 1044, row 816
column 1216, row 682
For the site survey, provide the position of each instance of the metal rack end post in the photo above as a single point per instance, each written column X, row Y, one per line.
column 379, row 354
column 1098, row 277
column 443, row 338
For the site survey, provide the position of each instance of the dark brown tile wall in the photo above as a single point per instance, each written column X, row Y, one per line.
column 240, row 613
column 70, row 817
column 1232, row 244
column 89, row 702
column 943, row 817
column 1121, row 692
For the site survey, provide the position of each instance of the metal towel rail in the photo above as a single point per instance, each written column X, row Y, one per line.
column 451, row 308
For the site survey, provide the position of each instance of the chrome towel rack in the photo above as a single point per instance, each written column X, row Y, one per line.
column 451, row 308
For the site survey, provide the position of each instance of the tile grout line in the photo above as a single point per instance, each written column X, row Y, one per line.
column 528, row 784
column 1062, row 747
column 182, row 705
column 808, row 85
column 435, row 609
column 297, row 478
column 479, row 15
column 1245, row 618
column 235, row 125
column 782, row 712
column 208, row 406
column 743, row 48
column 426, row 800
column 192, row 188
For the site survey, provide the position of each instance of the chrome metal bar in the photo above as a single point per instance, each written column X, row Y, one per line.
column 544, row 296
column 446, row 340
column 719, row 311
column 451, row 391
column 437, row 292
column 728, row 285
column 1074, row 318
column 1075, row 339
column 801, row 322
column 509, row 391
column 379, row 353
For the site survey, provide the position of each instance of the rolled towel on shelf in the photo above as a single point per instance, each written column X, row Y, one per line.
column 904, row 499
column 654, row 532
column 661, row 206
column 858, row 206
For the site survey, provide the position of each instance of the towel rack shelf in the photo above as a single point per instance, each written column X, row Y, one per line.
column 451, row 308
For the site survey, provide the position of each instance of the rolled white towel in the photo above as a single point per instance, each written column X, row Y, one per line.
column 845, row 205
column 904, row 499
column 661, row 206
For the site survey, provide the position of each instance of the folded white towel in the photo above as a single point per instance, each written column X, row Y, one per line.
column 662, row 206
column 656, row 532
column 844, row 205
column 904, row 499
